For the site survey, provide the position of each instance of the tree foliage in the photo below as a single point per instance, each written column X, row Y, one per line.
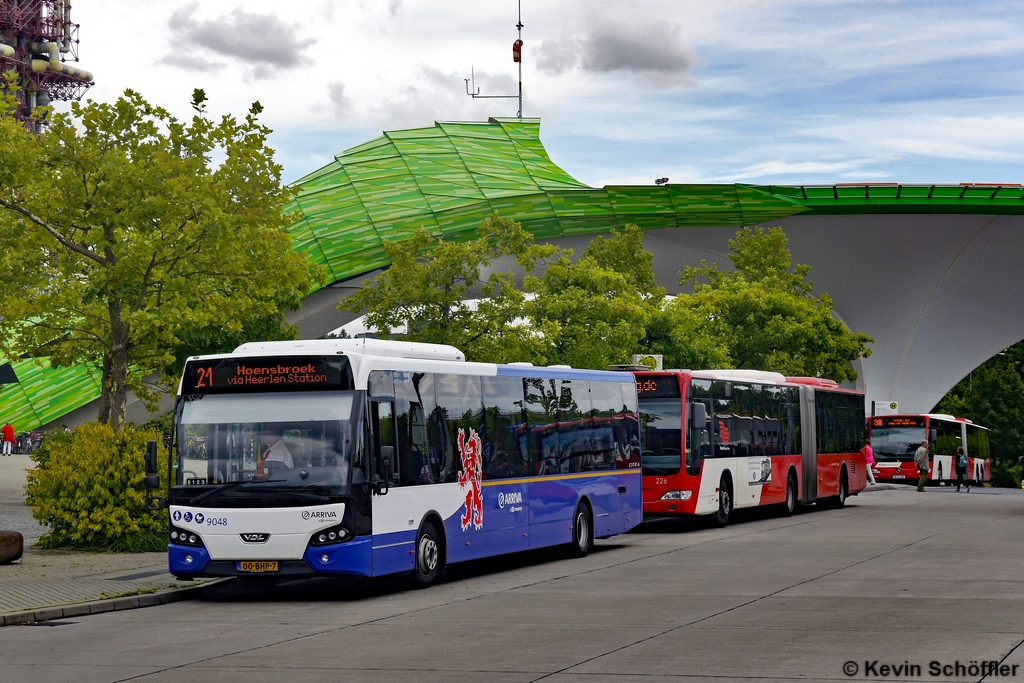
column 992, row 395
column 765, row 315
column 606, row 305
column 124, row 241
column 425, row 291
column 87, row 488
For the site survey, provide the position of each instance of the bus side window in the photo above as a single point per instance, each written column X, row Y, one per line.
column 460, row 408
column 698, row 441
column 382, row 414
column 413, row 446
column 606, row 398
column 505, row 453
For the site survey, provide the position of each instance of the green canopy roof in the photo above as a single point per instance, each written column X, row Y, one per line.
column 448, row 177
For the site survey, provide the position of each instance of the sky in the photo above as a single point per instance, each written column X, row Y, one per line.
column 783, row 92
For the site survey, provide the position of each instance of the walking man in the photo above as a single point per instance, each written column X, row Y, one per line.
column 921, row 460
column 7, row 435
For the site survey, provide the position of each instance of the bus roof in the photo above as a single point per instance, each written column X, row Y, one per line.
column 370, row 347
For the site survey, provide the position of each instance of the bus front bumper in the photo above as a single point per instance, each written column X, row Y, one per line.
column 354, row 557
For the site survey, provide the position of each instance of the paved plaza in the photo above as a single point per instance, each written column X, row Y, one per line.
column 896, row 578
column 53, row 578
column 14, row 514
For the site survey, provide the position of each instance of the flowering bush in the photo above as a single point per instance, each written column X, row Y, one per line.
column 87, row 486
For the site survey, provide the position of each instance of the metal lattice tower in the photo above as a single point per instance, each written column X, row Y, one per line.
column 37, row 42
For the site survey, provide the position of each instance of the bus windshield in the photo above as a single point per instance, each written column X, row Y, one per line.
column 280, row 441
column 896, row 443
column 661, row 424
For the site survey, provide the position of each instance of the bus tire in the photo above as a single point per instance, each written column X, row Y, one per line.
column 789, row 507
column 721, row 518
column 582, row 530
column 844, row 490
column 429, row 555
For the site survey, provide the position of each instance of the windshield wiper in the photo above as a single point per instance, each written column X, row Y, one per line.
column 230, row 485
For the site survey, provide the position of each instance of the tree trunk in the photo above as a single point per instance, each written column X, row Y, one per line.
column 118, row 367
column 104, row 413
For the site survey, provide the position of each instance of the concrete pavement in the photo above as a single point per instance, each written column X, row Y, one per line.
column 46, row 579
column 14, row 514
column 896, row 578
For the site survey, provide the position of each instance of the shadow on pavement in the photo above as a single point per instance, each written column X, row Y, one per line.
column 351, row 588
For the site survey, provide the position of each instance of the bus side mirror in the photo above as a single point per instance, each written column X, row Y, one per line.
column 152, row 479
column 151, row 457
column 698, row 415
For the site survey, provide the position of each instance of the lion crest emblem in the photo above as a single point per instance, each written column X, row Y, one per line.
column 471, row 452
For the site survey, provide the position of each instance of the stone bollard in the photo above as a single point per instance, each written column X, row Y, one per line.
column 12, row 544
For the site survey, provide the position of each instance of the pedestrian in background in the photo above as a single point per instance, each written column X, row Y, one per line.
column 7, row 435
column 869, row 458
column 961, row 468
column 921, row 460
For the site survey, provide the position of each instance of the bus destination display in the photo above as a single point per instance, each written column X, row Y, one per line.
column 289, row 373
column 898, row 421
column 657, row 386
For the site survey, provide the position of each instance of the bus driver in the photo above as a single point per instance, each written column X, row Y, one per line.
column 277, row 449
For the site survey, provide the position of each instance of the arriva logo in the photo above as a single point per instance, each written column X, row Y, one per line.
column 319, row 514
column 511, row 498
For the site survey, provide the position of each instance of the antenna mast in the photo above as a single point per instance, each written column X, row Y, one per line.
column 517, row 57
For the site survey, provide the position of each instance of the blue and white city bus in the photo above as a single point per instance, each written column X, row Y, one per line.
column 372, row 457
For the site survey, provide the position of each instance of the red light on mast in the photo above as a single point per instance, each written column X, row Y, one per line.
column 517, row 51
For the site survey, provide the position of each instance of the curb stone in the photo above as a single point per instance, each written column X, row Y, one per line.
column 82, row 609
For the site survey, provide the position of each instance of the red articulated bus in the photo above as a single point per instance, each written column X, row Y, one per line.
column 717, row 440
column 895, row 438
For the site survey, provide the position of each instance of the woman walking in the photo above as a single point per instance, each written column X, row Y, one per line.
column 869, row 457
column 961, row 468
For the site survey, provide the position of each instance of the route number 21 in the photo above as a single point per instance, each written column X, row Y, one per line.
column 205, row 378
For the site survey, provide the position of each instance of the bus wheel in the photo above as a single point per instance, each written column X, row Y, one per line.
column 724, row 503
column 582, row 531
column 429, row 556
column 790, row 496
column 844, row 490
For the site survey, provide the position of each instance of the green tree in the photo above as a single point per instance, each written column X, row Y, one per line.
column 127, row 231
column 594, row 311
column 763, row 312
column 430, row 278
column 992, row 395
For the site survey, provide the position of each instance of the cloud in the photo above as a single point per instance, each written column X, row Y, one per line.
column 441, row 96
column 653, row 51
column 341, row 103
column 256, row 39
column 191, row 62
column 394, row 6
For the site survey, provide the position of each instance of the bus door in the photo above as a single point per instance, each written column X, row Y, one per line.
column 809, row 443
column 393, row 538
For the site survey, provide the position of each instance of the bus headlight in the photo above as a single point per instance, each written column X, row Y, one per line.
column 677, row 495
column 182, row 537
column 335, row 534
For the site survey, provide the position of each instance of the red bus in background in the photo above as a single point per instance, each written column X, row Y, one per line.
column 718, row 440
column 895, row 438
